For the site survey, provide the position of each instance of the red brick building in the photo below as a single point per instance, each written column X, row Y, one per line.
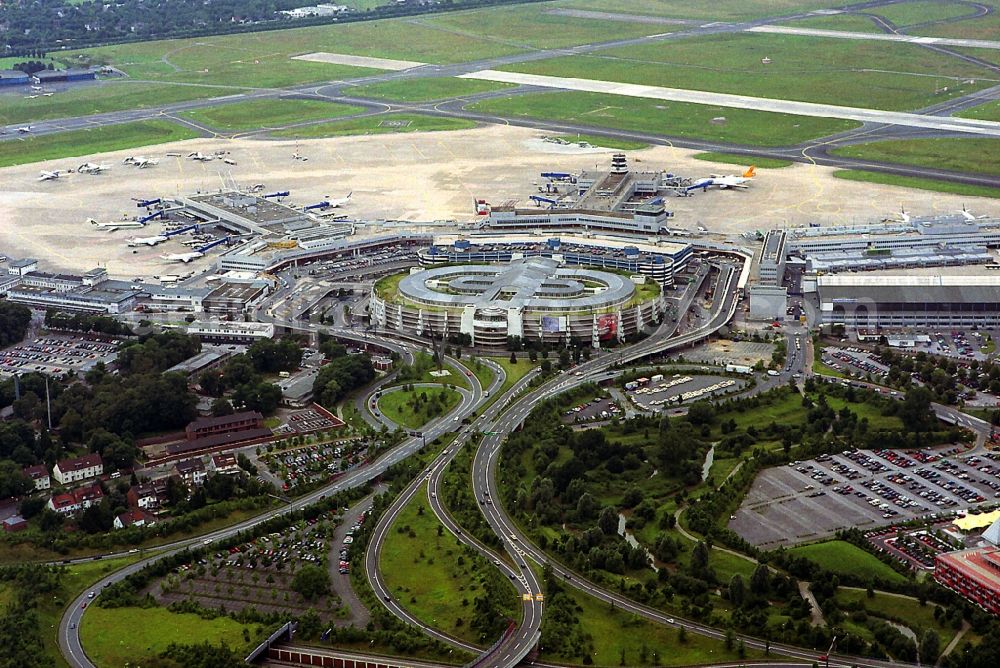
column 974, row 574
column 225, row 424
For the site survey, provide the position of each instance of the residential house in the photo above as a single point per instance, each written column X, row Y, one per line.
column 82, row 468
column 39, row 475
column 143, row 496
column 226, row 464
column 134, row 518
column 191, row 471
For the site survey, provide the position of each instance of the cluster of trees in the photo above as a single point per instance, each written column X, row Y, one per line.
column 243, row 377
column 86, row 322
column 14, row 321
column 20, row 631
column 155, row 353
column 427, row 403
column 340, row 376
column 32, row 66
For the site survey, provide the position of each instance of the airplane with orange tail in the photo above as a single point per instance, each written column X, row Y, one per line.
column 730, row 181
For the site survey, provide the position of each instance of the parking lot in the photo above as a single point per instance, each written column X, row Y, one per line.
column 855, row 360
column 661, row 393
column 57, row 354
column 315, row 463
column 865, row 489
column 916, row 547
column 257, row 573
column 594, row 410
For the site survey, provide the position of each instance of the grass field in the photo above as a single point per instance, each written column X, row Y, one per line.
column 981, row 155
column 917, row 617
column 605, row 142
column 911, row 13
column 376, row 125
column 744, row 160
column 614, row 631
column 680, row 119
column 430, row 574
column 839, row 556
column 720, row 10
column 986, row 27
column 989, row 111
column 917, row 182
column 532, row 26
column 124, row 636
column 876, row 75
column 425, row 90
column 255, row 114
column 88, row 142
column 844, row 22
column 101, row 98
column 395, row 406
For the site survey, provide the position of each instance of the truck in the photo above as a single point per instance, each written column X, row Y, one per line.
column 738, row 368
column 283, row 374
column 772, row 372
column 631, row 385
column 657, row 378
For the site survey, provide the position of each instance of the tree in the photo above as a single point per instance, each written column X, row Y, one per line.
column 737, row 590
column 699, row 557
column 701, row 412
column 608, row 521
column 13, row 482
column 221, row 406
column 760, row 580
column 930, row 646
column 14, row 321
column 513, row 358
column 311, row 582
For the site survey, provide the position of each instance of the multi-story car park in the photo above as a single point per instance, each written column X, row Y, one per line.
column 533, row 299
column 660, row 261
column 872, row 302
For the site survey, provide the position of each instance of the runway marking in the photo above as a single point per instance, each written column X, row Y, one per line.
column 812, row 109
column 880, row 37
column 359, row 61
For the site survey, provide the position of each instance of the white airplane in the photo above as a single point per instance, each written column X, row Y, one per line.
column 146, row 241
column 30, row 97
column 724, row 182
column 140, row 161
column 182, row 257
column 49, row 176
column 334, row 203
column 114, row 226
column 25, row 129
column 91, row 168
column 201, row 157
column 229, row 161
column 299, row 156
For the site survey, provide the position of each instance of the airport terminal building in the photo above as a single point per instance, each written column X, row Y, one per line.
column 876, row 302
column 534, row 299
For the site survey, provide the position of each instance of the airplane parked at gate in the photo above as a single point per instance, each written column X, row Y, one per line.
column 724, row 182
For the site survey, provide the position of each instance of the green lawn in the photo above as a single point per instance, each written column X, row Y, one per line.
column 431, row 574
column 606, row 142
column 981, row 155
column 425, row 90
column 397, row 407
column 614, row 631
column 117, row 637
column 917, row 182
column 531, row 26
column 985, row 27
column 839, row 556
column 845, row 22
column 103, row 97
column 88, row 142
column 255, row 114
column 514, row 371
column 905, row 14
column 743, row 160
column 862, row 409
column 482, row 372
column 719, row 10
column 376, row 125
column 908, row 610
column 878, row 75
column 990, row 111
column 679, row 119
